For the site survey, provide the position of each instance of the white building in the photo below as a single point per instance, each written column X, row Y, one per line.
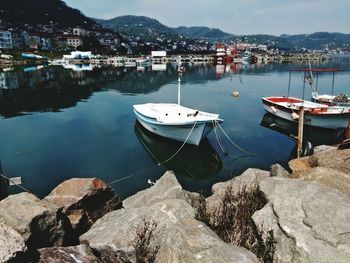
column 5, row 40
column 158, row 54
column 74, row 41
column 80, row 32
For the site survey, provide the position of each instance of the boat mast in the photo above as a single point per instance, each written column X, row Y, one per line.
column 180, row 71
column 311, row 75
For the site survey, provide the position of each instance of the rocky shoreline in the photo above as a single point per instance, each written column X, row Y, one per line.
column 264, row 216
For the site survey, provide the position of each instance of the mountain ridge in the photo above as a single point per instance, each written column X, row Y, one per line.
column 142, row 26
column 34, row 12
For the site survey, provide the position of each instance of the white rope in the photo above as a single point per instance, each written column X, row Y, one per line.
column 15, row 184
column 234, row 144
column 159, row 164
column 188, row 136
column 218, row 139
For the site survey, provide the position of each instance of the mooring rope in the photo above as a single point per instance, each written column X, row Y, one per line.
column 158, row 164
column 188, row 136
column 19, row 186
column 233, row 143
column 218, row 139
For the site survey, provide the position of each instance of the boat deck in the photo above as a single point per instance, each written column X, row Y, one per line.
column 295, row 103
column 171, row 113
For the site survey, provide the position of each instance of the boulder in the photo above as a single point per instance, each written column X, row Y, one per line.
column 189, row 240
column 336, row 159
column 249, row 180
column 167, row 187
column 81, row 253
column 329, row 177
column 329, row 157
column 278, row 170
column 300, row 165
column 112, row 236
column 39, row 222
column 310, row 221
column 84, row 200
column 12, row 245
column 178, row 237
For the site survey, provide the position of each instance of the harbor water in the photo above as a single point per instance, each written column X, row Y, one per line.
column 58, row 123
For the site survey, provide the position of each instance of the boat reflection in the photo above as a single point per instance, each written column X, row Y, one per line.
column 317, row 136
column 197, row 162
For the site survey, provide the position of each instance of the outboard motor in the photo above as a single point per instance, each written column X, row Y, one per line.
column 307, row 149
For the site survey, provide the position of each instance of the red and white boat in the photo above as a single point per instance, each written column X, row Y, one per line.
column 315, row 114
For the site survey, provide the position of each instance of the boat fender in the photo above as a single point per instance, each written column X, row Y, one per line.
column 273, row 109
column 295, row 116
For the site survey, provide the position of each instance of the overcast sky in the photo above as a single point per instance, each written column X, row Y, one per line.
column 233, row 16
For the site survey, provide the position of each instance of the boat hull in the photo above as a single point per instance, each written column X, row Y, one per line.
column 180, row 133
column 329, row 121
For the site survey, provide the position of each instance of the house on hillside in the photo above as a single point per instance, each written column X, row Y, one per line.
column 5, row 40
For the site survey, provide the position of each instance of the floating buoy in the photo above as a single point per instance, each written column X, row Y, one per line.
column 235, row 94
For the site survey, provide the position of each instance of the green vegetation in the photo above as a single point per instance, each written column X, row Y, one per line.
column 44, row 12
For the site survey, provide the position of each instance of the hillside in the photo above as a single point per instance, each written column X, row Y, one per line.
column 145, row 27
column 33, row 12
column 319, row 40
column 213, row 34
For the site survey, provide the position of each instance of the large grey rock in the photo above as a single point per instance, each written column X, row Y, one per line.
column 329, row 177
column 249, row 180
column 310, row 221
column 39, row 222
column 12, row 245
column 113, row 235
column 81, row 253
column 336, row 159
column 329, row 157
column 167, row 187
column 278, row 170
column 84, row 200
column 180, row 237
column 189, row 240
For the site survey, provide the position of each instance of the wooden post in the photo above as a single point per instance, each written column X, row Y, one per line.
column 300, row 131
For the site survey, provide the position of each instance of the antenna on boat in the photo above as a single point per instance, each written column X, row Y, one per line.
column 180, row 71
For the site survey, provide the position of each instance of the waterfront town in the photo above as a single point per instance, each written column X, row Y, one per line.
column 53, row 41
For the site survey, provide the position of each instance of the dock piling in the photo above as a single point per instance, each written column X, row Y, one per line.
column 300, row 131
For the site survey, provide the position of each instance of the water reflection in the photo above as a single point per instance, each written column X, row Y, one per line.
column 316, row 136
column 197, row 163
column 53, row 88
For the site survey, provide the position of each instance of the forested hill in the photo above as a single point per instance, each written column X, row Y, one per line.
column 34, row 12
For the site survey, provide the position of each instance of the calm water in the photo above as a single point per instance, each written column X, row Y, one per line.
column 59, row 123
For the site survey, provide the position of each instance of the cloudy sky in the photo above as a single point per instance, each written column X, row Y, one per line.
column 233, row 16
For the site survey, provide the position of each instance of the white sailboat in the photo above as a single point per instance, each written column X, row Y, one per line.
column 175, row 121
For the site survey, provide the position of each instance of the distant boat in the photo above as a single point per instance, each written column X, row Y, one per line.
column 176, row 122
column 316, row 114
column 31, row 56
column 144, row 62
column 78, row 55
